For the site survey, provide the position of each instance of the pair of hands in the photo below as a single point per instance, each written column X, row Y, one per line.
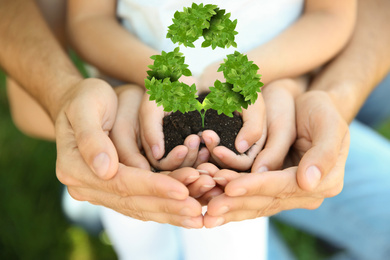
column 250, row 139
column 100, row 161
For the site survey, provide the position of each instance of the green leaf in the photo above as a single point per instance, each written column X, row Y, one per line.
column 189, row 24
column 169, row 65
column 223, row 99
column 242, row 74
column 173, row 96
column 221, row 31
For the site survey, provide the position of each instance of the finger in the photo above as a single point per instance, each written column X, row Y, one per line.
column 281, row 128
column 203, row 157
column 91, row 116
column 226, row 158
column 281, row 184
column 224, row 176
column 208, row 168
column 187, row 177
column 150, row 117
column 208, row 196
column 161, row 211
column 252, row 128
column 173, row 160
column 192, row 143
column 327, row 131
column 204, row 184
column 332, row 184
column 125, row 131
column 128, row 181
column 147, row 204
column 264, row 205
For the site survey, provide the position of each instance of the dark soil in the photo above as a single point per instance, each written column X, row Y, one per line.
column 178, row 126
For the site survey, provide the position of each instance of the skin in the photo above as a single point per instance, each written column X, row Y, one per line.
column 293, row 192
column 97, row 47
column 83, row 112
column 322, row 117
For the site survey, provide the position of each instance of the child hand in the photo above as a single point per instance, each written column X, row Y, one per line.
column 201, row 185
column 152, row 137
column 249, row 140
column 280, row 108
column 125, row 132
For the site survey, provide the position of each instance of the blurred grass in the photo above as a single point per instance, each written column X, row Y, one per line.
column 32, row 224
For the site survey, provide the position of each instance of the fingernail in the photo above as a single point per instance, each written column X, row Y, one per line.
column 220, row 180
column 223, row 210
column 219, row 222
column 155, row 151
column 191, row 179
column 313, row 176
column 262, row 169
column 238, row 192
column 205, row 188
column 189, row 223
column 100, row 164
column 243, row 146
column 202, row 171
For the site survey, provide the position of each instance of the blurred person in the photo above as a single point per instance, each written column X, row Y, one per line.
column 122, row 50
column 82, row 112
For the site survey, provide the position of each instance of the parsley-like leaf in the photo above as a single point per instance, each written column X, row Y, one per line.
column 242, row 74
column 168, row 65
column 223, row 99
column 172, row 96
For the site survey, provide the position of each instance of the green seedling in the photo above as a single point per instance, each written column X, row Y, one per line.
column 217, row 29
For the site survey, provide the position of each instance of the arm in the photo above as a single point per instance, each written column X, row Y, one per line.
column 321, row 128
column 96, row 34
column 84, row 111
column 323, row 29
column 352, row 76
column 19, row 54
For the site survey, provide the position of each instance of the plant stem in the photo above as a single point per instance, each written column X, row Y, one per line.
column 202, row 115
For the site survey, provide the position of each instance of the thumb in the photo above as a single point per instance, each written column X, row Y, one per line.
column 91, row 117
column 329, row 136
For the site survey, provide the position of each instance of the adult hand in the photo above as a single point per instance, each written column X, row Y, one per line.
column 320, row 152
column 87, row 163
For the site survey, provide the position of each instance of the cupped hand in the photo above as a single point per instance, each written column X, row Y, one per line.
column 249, row 141
column 125, row 131
column 152, row 137
column 87, row 162
column 201, row 187
column 322, row 143
column 279, row 101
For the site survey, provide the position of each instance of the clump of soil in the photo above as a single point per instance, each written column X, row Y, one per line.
column 177, row 126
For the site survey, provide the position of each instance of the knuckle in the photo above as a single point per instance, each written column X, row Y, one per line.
column 76, row 195
column 120, row 188
column 335, row 191
column 314, row 204
column 128, row 204
column 64, row 177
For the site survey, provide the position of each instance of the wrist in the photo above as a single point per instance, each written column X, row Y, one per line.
column 55, row 100
column 345, row 97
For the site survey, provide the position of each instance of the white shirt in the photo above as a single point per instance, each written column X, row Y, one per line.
column 258, row 21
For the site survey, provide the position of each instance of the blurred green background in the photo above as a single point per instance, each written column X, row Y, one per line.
column 32, row 224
